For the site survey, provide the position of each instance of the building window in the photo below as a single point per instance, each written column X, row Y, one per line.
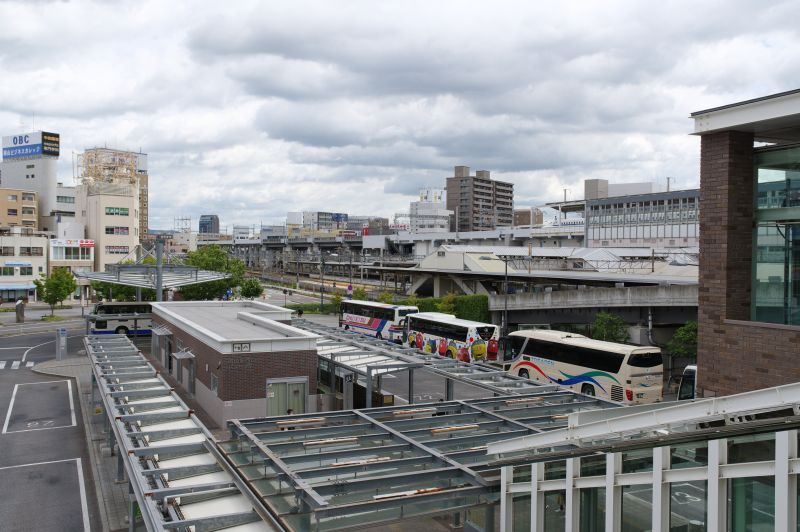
column 65, row 199
column 7, row 251
column 116, row 230
column 7, row 271
column 12, row 197
column 214, row 384
column 13, row 212
column 26, row 270
column 776, row 237
column 117, row 211
column 28, row 210
column 27, row 196
column 31, row 252
column 117, row 250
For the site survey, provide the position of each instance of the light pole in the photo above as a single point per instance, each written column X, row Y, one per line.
column 505, row 299
column 321, row 279
column 297, row 270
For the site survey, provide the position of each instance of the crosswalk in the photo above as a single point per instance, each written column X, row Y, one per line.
column 15, row 364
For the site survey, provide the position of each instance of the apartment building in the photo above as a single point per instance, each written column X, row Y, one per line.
column 23, row 258
column 429, row 214
column 19, row 208
column 478, row 202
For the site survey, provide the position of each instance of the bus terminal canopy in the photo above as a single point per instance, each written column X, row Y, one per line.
column 145, row 275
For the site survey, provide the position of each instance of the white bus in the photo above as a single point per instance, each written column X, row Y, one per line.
column 120, row 317
column 468, row 341
column 380, row 320
column 623, row 373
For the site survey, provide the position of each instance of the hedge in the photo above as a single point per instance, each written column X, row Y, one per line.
column 475, row 307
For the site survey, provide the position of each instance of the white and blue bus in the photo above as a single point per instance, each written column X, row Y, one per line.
column 120, row 317
column 380, row 320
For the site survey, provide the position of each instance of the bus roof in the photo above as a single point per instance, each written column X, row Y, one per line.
column 378, row 304
column 449, row 318
column 579, row 340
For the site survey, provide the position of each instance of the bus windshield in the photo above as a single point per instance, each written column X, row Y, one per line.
column 645, row 360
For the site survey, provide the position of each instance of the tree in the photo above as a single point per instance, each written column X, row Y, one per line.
column 448, row 304
column 684, row 341
column 56, row 288
column 609, row 327
column 336, row 301
column 412, row 300
column 213, row 258
column 385, row 297
column 360, row 294
column 251, row 288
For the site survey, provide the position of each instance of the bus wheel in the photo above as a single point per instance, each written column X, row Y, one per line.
column 587, row 389
column 121, row 330
column 524, row 374
column 346, row 327
column 379, row 336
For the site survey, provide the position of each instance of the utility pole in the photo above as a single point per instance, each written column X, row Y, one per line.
column 321, row 279
column 668, row 180
column 505, row 300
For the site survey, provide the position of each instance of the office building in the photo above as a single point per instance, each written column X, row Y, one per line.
column 23, row 258
column 110, row 214
column 321, row 221
column 478, row 202
column 119, row 167
column 429, row 214
column 749, row 305
column 18, row 208
column 209, row 223
column 30, row 162
column 231, row 354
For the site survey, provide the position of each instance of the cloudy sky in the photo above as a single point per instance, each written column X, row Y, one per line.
column 252, row 109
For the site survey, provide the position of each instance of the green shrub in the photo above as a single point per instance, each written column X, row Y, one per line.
column 474, row 307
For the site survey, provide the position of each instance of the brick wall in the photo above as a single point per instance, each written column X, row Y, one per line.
column 734, row 354
column 244, row 375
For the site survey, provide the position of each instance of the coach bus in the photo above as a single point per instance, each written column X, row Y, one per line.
column 380, row 320
column 623, row 373
column 467, row 341
column 119, row 317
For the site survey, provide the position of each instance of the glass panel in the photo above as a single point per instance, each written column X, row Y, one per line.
column 635, row 461
column 776, row 279
column 755, row 448
column 522, row 473
column 637, row 505
column 751, row 504
column 778, row 179
column 555, row 470
column 554, row 502
column 687, row 504
column 688, row 455
column 522, row 513
column 592, row 466
column 593, row 510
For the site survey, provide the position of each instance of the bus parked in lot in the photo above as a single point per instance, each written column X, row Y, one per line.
column 468, row 341
column 628, row 374
column 380, row 320
column 120, row 317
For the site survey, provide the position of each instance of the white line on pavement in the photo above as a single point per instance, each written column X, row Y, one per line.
column 15, row 364
column 27, row 365
column 10, row 406
column 2, row 364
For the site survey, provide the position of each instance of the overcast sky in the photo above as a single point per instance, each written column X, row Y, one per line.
column 253, row 109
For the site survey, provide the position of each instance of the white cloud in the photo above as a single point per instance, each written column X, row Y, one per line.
column 253, row 109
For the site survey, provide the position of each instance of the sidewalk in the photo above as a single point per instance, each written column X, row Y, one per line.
column 112, row 497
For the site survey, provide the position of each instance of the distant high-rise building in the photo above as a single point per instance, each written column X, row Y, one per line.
column 429, row 215
column 478, row 202
column 209, row 223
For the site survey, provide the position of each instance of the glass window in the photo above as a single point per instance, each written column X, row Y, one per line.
column 555, row 470
column 522, row 473
column 637, row 503
column 753, row 448
column 636, row 461
column 554, row 508
column 687, row 455
column 751, row 504
column 522, row 512
column 592, row 466
column 687, row 505
column 593, row 510
column 26, row 270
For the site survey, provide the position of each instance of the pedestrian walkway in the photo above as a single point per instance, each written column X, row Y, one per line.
column 15, row 364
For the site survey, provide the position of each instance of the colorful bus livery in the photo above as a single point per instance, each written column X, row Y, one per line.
column 380, row 320
column 627, row 374
column 446, row 335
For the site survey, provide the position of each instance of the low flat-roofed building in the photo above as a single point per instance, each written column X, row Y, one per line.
column 236, row 357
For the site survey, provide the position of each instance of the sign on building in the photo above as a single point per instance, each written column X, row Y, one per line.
column 31, row 144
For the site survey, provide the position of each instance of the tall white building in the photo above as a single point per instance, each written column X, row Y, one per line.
column 30, row 162
column 110, row 212
column 429, row 214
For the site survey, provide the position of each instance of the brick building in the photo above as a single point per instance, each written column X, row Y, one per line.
column 749, row 299
column 239, row 359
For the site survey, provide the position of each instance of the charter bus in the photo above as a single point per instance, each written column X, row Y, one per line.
column 120, row 317
column 380, row 320
column 467, row 341
column 623, row 373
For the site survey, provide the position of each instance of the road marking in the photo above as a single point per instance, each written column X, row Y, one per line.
column 18, row 347
column 15, row 364
column 27, row 365
column 25, row 354
column 14, row 396
column 84, row 504
column 38, row 463
column 2, row 364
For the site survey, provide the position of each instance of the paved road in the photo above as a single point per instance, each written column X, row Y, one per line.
column 45, row 471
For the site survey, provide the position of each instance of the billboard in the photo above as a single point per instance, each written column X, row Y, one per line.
column 31, row 144
column 72, row 243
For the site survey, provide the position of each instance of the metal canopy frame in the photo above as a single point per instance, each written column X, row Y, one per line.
column 145, row 275
column 365, row 467
column 176, row 474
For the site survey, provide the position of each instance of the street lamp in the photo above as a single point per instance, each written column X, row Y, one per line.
column 321, row 279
